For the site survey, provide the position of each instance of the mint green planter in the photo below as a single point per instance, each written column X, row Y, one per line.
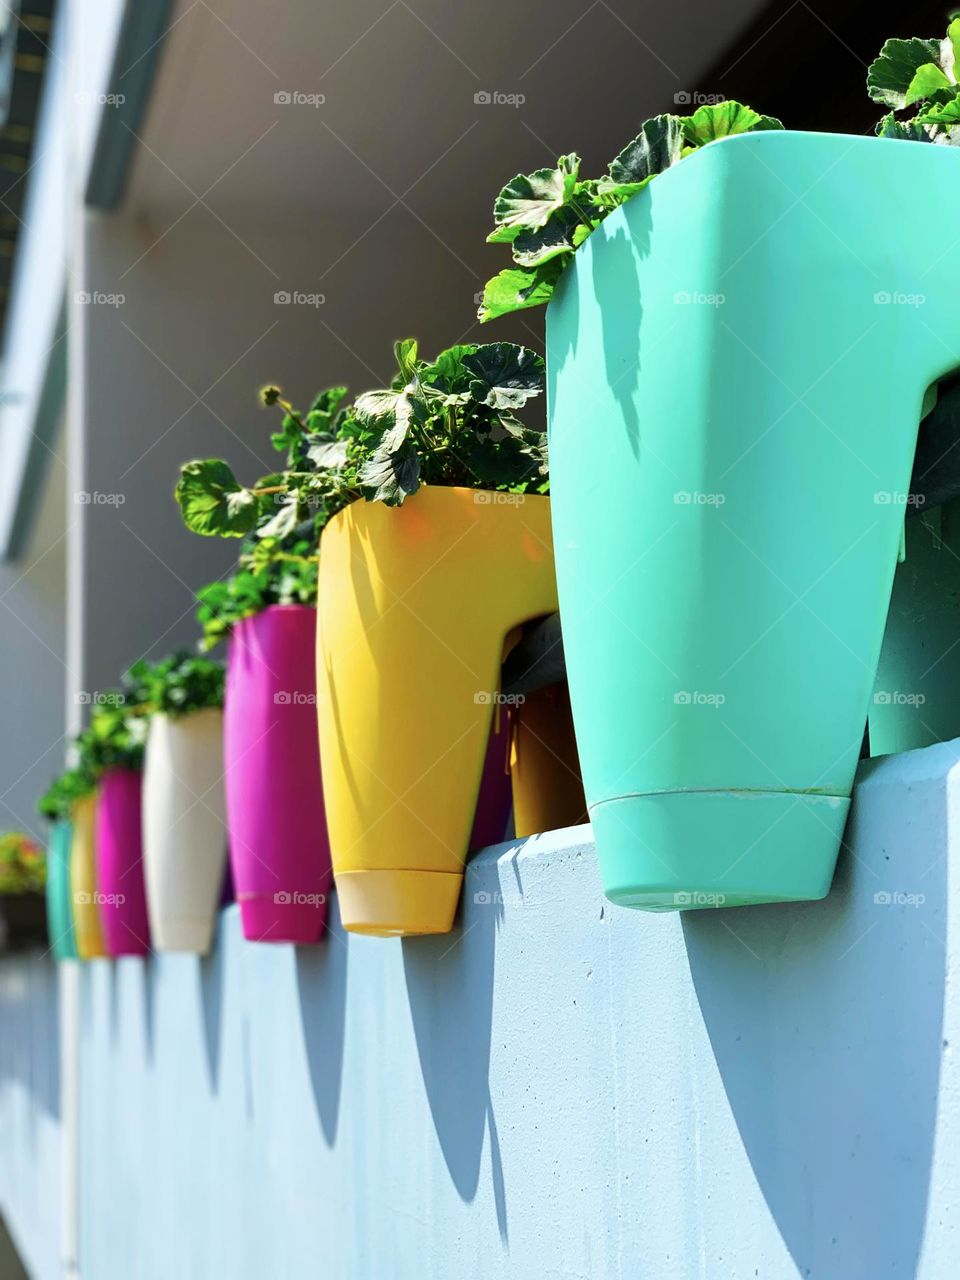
column 59, row 902
column 737, row 362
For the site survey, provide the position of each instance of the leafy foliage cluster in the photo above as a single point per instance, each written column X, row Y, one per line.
column 23, row 867
column 451, row 421
column 546, row 215
column 919, row 74
column 116, row 735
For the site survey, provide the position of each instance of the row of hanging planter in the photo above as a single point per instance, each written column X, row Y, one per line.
column 735, row 358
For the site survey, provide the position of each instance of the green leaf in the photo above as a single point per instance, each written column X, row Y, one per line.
column 890, row 75
column 528, row 200
column 950, row 50
column 724, row 120
column 405, row 352
column 505, row 375
column 328, row 453
column 517, row 289
column 562, row 233
column 285, row 521
column 655, row 148
column 928, row 82
column 213, row 502
column 391, row 476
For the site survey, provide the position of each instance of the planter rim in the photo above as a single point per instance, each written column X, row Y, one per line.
column 116, row 769
column 763, row 138
column 187, row 715
column 271, row 608
column 427, row 493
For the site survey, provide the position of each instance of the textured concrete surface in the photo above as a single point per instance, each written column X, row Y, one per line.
column 559, row 1089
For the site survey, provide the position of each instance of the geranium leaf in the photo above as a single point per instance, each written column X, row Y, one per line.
column 528, row 200
column 519, row 288
column 391, row 476
column 655, row 148
column 505, row 375
column 890, row 74
column 212, row 500
column 724, row 120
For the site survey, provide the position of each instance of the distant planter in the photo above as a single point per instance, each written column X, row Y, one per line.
column 545, row 770
column 87, row 927
column 119, row 851
column 59, row 906
column 279, row 849
column 184, row 828
column 23, row 921
column 414, row 607
column 745, row 338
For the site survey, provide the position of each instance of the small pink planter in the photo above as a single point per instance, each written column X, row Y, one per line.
column 276, row 825
column 495, row 798
column 121, row 896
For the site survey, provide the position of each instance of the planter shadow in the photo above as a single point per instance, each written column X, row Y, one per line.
column 827, row 1027
column 322, row 994
column 450, row 989
column 415, row 605
column 747, row 336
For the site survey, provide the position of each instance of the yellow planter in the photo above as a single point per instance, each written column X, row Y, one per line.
column 414, row 607
column 83, row 882
column 545, row 767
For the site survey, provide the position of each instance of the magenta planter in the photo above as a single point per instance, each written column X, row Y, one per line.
column 276, row 826
column 121, row 896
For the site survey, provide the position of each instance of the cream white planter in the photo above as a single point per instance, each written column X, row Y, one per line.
column 184, row 829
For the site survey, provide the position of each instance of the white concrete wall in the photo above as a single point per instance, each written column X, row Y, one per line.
column 560, row 1088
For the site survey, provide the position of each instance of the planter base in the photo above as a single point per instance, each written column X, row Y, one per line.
column 300, row 919
column 681, row 850
column 398, row 904
column 193, row 936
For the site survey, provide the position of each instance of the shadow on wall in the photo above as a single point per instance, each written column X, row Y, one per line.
column 29, row 1012
column 322, row 990
column 450, row 988
column 826, row 1021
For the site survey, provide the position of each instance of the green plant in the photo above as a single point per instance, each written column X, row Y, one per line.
column 272, row 571
column 23, row 867
column 921, row 74
column 116, row 735
column 546, row 215
column 175, row 686
column 450, row 421
column 64, row 791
